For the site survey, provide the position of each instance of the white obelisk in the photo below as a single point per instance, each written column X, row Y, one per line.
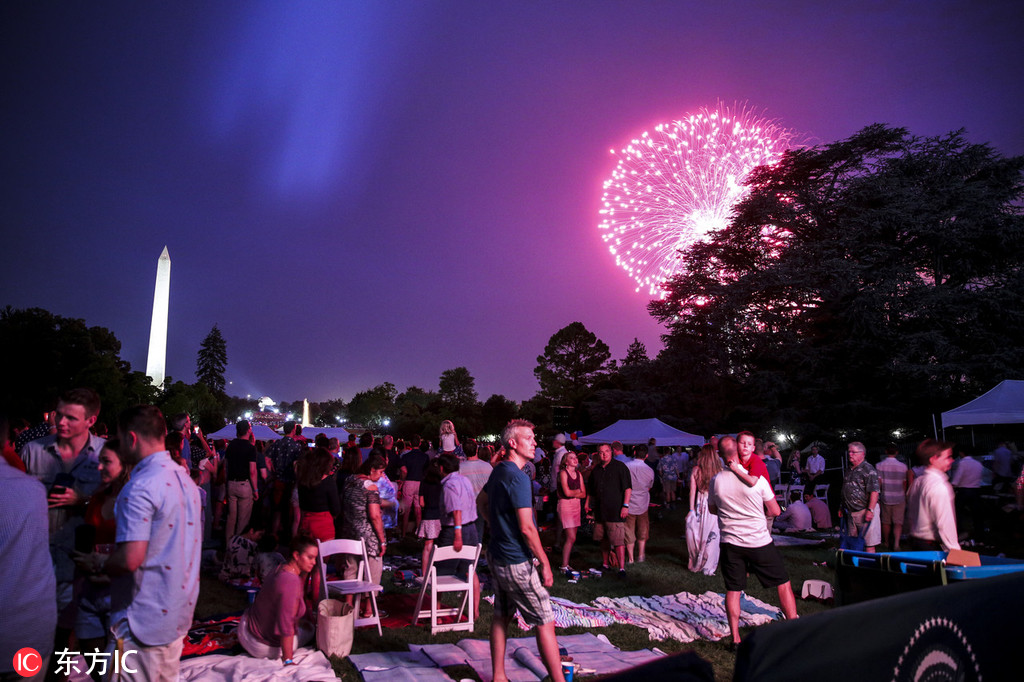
column 158, row 331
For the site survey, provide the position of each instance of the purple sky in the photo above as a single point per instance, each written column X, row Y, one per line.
column 380, row 194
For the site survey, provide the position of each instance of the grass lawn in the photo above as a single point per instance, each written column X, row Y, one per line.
column 663, row 573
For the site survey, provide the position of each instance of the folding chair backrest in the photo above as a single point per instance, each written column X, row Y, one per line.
column 356, row 548
column 468, row 552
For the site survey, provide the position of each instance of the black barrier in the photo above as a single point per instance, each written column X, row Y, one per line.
column 963, row 631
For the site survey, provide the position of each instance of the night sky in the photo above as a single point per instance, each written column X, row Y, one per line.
column 380, row 191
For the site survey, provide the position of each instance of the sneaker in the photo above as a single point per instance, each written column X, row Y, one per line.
column 622, row 573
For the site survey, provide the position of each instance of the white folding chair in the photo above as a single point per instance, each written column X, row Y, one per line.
column 821, row 492
column 358, row 586
column 794, row 489
column 780, row 494
column 448, row 583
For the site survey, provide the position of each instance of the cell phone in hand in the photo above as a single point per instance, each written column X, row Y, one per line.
column 61, row 483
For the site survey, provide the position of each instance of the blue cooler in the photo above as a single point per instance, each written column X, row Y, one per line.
column 864, row 575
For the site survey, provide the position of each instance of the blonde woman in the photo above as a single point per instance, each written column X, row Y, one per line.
column 447, row 437
column 571, row 489
column 793, row 464
column 701, row 525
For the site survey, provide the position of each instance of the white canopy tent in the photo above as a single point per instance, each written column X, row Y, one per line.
column 311, row 432
column 637, row 431
column 261, row 432
column 1003, row 404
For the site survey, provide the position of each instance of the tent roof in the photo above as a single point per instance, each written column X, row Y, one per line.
column 637, row 431
column 261, row 432
column 1003, row 404
column 338, row 432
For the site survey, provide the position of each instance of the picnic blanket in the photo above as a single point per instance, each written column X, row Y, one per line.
column 311, row 666
column 424, row 662
column 786, row 540
column 683, row 617
column 686, row 617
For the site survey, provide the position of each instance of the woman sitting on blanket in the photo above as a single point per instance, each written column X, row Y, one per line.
column 275, row 625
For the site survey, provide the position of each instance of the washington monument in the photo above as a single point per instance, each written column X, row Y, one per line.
column 158, row 331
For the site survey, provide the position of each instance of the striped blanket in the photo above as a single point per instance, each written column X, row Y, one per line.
column 683, row 617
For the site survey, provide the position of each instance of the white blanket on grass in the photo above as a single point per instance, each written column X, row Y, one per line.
column 311, row 666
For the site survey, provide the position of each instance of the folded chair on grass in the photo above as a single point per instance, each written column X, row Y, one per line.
column 438, row 584
column 361, row 585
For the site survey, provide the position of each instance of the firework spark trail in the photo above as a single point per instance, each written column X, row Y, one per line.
column 675, row 184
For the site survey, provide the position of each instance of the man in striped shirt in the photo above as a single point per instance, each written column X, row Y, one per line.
column 892, row 479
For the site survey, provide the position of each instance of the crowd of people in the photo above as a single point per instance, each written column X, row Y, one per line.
column 126, row 519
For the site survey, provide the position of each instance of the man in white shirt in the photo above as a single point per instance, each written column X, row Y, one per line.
column 746, row 544
column 556, row 458
column 815, row 466
column 931, row 520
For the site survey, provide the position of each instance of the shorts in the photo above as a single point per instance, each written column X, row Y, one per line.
column 892, row 514
column 614, row 531
column 282, row 494
column 638, row 527
column 872, row 531
column 669, row 483
column 410, row 496
column 374, row 567
column 93, row 618
column 518, row 587
column 765, row 562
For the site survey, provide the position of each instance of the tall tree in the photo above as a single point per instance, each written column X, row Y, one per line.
column 636, row 354
column 212, row 360
column 457, row 388
column 497, row 411
column 45, row 354
column 374, row 406
column 417, row 412
column 573, row 361
column 860, row 285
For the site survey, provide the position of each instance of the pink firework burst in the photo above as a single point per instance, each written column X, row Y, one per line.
column 673, row 185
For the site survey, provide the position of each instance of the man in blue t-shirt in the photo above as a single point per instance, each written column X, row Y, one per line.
column 514, row 537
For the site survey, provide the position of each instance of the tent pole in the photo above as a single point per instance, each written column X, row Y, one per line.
column 935, row 429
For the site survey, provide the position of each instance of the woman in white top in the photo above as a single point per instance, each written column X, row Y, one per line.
column 449, row 439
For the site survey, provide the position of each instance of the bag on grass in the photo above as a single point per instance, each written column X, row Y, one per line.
column 335, row 621
column 852, row 542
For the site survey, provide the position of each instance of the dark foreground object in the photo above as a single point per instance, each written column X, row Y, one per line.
column 684, row 667
column 964, row 631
